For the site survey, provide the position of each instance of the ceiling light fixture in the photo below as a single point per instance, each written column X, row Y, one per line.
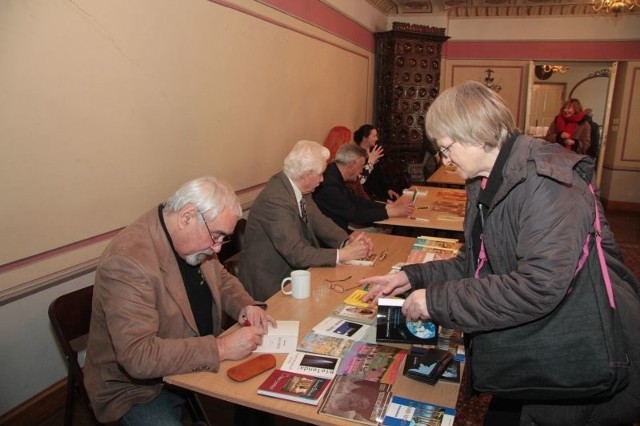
column 613, row 6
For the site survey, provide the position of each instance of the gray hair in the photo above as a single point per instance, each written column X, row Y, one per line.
column 209, row 195
column 350, row 152
column 304, row 157
column 470, row 113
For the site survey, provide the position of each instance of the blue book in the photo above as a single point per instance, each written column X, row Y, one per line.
column 409, row 412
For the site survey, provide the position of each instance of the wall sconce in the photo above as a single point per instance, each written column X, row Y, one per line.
column 615, row 6
column 543, row 72
column 489, row 80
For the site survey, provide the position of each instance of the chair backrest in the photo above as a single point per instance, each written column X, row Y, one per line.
column 235, row 245
column 70, row 315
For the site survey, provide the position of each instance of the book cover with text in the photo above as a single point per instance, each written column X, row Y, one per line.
column 392, row 326
column 370, row 361
column 297, row 387
column 409, row 412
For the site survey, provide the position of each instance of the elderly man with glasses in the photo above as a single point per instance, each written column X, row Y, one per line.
column 158, row 299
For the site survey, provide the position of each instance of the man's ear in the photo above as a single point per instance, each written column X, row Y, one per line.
column 186, row 215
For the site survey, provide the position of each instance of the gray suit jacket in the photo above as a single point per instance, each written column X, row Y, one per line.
column 142, row 326
column 278, row 241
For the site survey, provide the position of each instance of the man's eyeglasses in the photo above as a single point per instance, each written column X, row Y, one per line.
column 336, row 285
column 444, row 152
column 219, row 238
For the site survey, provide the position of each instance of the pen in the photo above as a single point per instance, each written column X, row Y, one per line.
column 425, row 207
column 419, row 218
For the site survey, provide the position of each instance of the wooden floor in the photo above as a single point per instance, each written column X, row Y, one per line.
column 625, row 225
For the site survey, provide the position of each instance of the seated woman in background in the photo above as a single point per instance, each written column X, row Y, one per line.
column 340, row 135
column 570, row 128
column 376, row 182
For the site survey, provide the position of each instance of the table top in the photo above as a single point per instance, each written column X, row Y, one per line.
column 310, row 312
column 436, row 208
column 446, row 176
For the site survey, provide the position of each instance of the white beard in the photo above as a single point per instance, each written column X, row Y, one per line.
column 195, row 259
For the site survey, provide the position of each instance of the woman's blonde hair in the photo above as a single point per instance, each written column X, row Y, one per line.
column 470, row 113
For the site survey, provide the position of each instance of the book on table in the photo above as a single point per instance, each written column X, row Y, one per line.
column 297, row 387
column 426, row 364
column 324, row 345
column 361, row 401
column 427, row 249
column 408, row 412
column 338, row 327
column 364, row 315
column 313, row 364
column 392, row 326
column 370, row 361
column 281, row 339
column 355, row 299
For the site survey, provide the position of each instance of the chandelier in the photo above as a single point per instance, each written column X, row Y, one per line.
column 615, row 6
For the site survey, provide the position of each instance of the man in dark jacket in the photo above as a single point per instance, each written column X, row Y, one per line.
column 339, row 203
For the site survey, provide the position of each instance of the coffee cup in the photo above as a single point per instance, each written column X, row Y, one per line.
column 300, row 284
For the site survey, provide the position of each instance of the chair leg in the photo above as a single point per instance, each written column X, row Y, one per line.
column 196, row 411
column 71, row 391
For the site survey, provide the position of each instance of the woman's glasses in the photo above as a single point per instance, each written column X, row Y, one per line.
column 336, row 285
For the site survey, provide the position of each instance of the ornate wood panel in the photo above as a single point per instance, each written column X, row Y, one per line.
column 407, row 82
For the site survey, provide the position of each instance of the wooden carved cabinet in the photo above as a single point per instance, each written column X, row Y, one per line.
column 407, row 82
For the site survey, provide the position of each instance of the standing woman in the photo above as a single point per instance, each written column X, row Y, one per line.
column 529, row 211
column 570, row 128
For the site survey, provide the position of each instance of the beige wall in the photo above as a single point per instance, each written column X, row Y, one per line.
column 621, row 169
column 108, row 106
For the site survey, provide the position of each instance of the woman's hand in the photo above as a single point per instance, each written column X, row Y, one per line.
column 385, row 285
column 375, row 153
column 415, row 306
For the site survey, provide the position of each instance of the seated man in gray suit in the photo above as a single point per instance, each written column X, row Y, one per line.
column 286, row 230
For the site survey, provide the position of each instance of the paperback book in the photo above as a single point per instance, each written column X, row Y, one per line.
column 426, row 249
column 324, row 345
column 392, row 326
column 361, row 401
column 355, row 299
column 338, row 327
column 409, row 412
column 297, row 387
column 355, row 313
column 452, row 341
column 313, row 364
column 427, row 364
column 370, row 361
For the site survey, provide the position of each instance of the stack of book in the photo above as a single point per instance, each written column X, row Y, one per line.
column 427, row 249
column 340, row 367
column 427, row 364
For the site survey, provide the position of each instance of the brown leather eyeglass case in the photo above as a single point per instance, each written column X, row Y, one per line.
column 252, row 367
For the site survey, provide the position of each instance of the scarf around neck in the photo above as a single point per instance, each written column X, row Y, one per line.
column 569, row 124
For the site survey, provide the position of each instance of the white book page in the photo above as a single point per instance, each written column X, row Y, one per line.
column 280, row 340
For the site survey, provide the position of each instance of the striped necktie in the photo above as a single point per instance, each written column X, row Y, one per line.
column 303, row 210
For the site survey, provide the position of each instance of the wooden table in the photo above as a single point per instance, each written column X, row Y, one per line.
column 310, row 312
column 447, row 177
column 436, row 208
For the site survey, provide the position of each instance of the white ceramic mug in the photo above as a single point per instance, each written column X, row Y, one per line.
column 300, row 284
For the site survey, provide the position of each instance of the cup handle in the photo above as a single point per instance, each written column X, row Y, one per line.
column 282, row 286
